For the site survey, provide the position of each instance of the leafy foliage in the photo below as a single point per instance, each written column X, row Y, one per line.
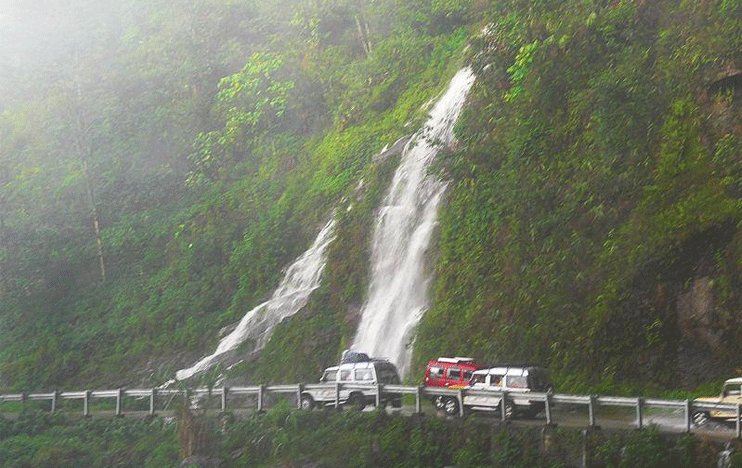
column 40, row 439
column 594, row 192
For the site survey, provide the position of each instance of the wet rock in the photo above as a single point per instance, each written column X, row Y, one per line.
column 697, row 316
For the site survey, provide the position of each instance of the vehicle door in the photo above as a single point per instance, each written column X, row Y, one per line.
column 327, row 395
column 365, row 376
column 345, row 376
column 492, row 383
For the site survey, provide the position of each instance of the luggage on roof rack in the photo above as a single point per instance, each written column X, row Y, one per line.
column 354, row 356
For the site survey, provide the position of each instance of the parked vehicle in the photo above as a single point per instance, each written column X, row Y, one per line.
column 357, row 385
column 516, row 381
column 731, row 393
column 449, row 372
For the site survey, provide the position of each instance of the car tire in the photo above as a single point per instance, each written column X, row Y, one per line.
column 438, row 401
column 355, row 401
column 509, row 410
column 700, row 418
column 307, row 402
column 451, row 406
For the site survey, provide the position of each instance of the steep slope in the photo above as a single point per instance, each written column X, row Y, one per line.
column 593, row 224
column 590, row 222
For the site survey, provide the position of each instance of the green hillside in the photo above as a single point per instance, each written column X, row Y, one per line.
column 162, row 162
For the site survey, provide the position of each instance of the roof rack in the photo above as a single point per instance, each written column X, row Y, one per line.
column 455, row 360
column 517, row 364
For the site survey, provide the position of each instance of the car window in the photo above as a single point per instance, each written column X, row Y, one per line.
column 517, row 382
column 467, row 375
column 478, row 378
column 345, row 374
column 364, row 375
column 435, row 372
column 732, row 390
column 330, row 376
column 495, row 381
column 454, row 374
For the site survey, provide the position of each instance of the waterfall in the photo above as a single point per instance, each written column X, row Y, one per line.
column 301, row 278
column 397, row 294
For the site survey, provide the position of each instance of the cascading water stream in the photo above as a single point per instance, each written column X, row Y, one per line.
column 301, row 278
column 398, row 288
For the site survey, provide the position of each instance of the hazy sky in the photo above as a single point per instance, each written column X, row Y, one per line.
column 36, row 40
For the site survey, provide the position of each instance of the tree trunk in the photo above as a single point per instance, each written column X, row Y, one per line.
column 85, row 151
column 363, row 35
column 96, row 222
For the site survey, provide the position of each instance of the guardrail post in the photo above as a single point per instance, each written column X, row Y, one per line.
column 547, row 408
column 86, row 404
column 378, row 394
column 261, row 391
column 419, row 400
column 337, row 395
column 503, row 403
column 118, row 402
column 55, row 396
column 739, row 427
column 299, row 391
column 687, row 415
column 460, row 399
column 152, row 401
column 591, row 410
column 224, row 398
column 640, row 412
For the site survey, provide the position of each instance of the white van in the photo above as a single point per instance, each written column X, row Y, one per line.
column 487, row 386
column 357, row 385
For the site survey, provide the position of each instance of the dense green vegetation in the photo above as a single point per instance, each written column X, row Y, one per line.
column 596, row 196
column 217, row 143
column 39, row 439
column 160, row 163
column 284, row 437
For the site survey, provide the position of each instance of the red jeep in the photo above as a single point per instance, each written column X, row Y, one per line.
column 451, row 373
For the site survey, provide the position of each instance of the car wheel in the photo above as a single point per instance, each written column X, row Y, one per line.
column 451, row 406
column 509, row 410
column 700, row 418
column 307, row 402
column 438, row 401
column 356, row 402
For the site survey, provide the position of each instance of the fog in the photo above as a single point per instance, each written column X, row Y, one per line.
column 41, row 41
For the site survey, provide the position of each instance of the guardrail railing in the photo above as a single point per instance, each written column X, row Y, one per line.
column 295, row 391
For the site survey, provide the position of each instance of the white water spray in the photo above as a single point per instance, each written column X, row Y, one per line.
column 398, row 288
column 301, row 278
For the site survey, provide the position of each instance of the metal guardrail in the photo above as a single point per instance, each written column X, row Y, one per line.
column 260, row 392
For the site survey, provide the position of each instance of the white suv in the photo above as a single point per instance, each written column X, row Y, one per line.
column 488, row 385
column 355, row 384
